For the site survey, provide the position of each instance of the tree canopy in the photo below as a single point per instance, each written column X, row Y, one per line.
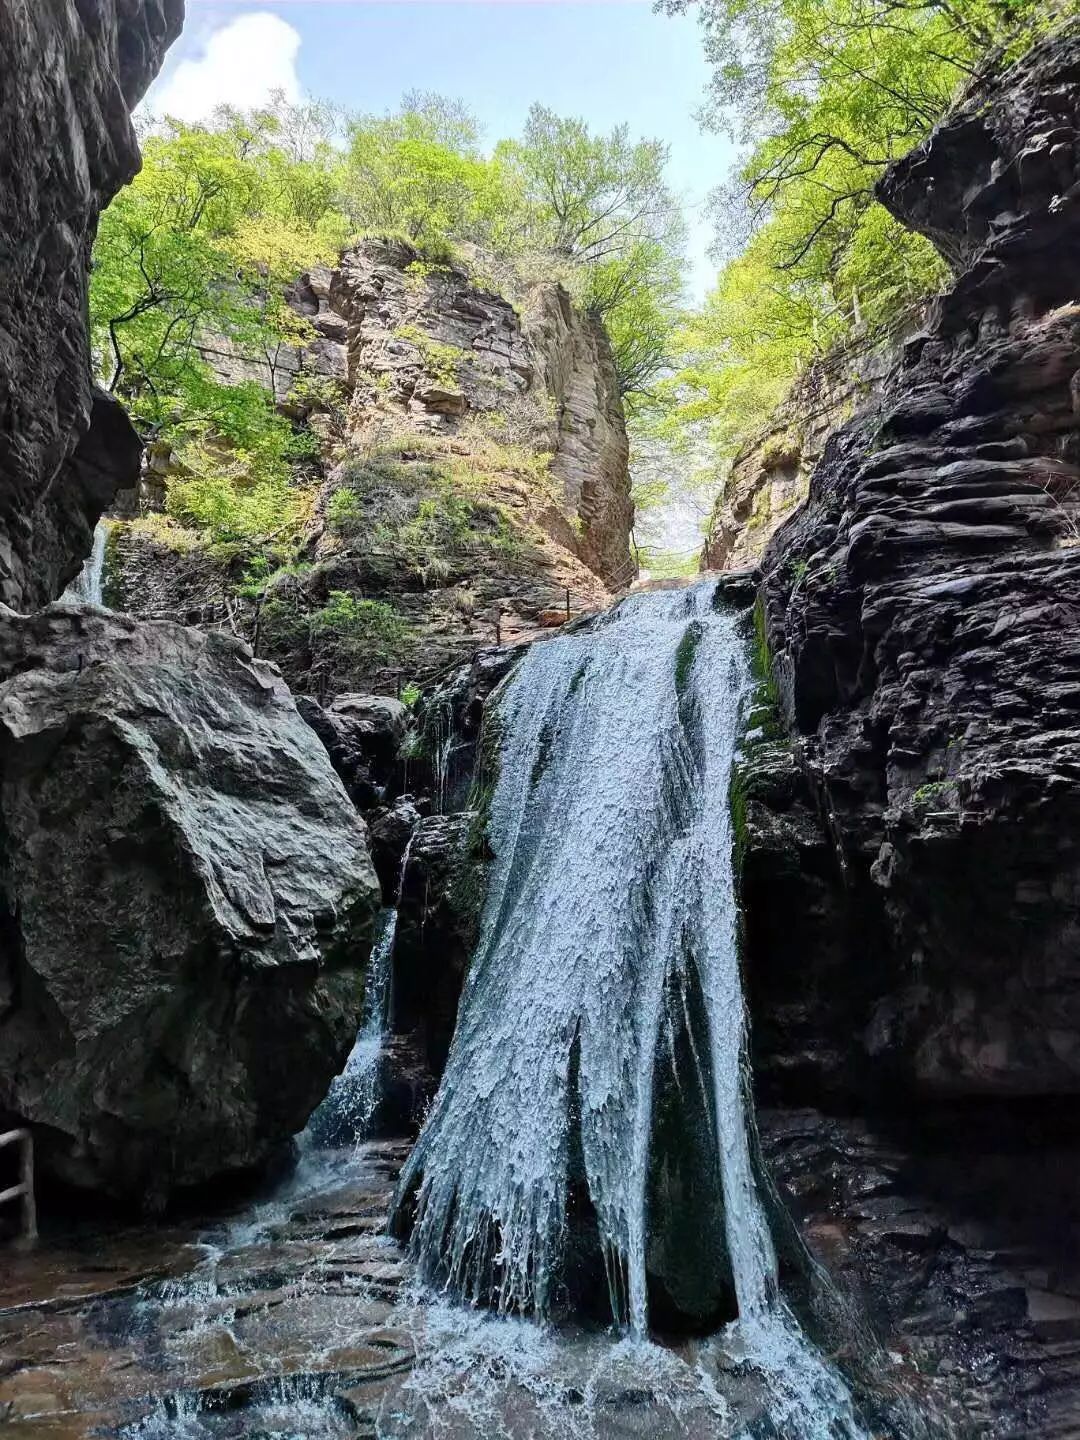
column 822, row 95
column 193, row 261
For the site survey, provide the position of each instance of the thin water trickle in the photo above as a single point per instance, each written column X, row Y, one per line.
column 87, row 587
column 612, row 889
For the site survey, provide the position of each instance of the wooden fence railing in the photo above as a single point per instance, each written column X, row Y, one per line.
column 24, row 1190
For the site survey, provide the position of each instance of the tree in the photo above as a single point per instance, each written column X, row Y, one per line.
column 823, row 95
column 190, row 270
column 602, row 204
column 420, row 173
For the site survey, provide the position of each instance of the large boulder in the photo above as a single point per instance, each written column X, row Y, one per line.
column 71, row 71
column 185, row 903
column 923, row 613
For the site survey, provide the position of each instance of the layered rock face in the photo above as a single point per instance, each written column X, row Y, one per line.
column 770, row 477
column 73, row 71
column 923, row 617
column 185, row 903
column 473, row 475
column 426, row 343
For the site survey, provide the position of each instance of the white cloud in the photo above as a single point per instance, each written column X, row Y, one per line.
column 239, row 65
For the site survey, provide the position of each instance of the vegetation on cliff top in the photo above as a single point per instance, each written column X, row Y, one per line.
column 822, row 95
column 189, row 311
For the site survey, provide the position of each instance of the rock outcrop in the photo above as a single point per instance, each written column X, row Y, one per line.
column 770, row 477
column 923, row 618
column 426, row 343
column 473, row 478
column 185, row 903
column 72, row 73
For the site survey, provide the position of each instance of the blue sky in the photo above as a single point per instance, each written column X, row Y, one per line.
column 606, row 60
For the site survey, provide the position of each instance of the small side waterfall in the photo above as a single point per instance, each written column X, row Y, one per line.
column 611, row 917
column 346, row 1114
column 86, row 588
column 349, row 1108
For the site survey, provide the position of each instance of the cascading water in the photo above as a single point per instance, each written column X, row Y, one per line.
column 86, row 588
column 611, row 904
column 349, row 1108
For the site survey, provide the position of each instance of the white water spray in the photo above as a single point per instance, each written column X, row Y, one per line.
column 612, row 889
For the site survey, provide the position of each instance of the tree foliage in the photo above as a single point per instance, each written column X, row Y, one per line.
column 189, row 278
column 822, row 95
column 193, row 260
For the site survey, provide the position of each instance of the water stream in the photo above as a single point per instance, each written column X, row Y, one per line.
column 586, row 1169
column 611, row 915
column 86, row 588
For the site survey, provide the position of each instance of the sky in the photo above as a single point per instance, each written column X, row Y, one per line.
column 608, row 61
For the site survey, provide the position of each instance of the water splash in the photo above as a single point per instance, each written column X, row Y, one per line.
column 611, row 892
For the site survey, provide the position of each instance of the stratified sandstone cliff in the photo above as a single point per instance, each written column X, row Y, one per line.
column 473, row 467
column 923, row 614
column 770, row 477
column 72, row 71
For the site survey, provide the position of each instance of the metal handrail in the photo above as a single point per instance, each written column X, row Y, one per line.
column 24, row 1191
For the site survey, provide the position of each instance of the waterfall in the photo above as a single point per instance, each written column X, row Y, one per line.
column 610, row 919
column 349, row 1108
column 86, row 588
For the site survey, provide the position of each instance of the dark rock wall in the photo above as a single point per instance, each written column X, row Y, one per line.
column 923, row 615
column 72, row 71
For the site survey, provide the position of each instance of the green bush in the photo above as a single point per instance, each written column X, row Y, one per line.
column 362, row 634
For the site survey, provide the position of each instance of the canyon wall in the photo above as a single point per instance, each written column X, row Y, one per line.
column 922, row 616
column 471, row 476
column 770, row 477
column 72, row 73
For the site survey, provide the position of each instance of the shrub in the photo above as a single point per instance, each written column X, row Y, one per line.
column 361, row 634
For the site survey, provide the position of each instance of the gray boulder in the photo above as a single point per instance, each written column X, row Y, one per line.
column 185, row 903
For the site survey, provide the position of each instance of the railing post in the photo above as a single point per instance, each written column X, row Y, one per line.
column 24, row 1190
column 26, row 1175
column 568, row 602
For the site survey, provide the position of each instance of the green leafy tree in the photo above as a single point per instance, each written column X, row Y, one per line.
column 823, row 95
column 420, row 172
column 602, row 204
column 189, row 278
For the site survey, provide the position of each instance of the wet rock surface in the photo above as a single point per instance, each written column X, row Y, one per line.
column 442, row 892
column 72, row 72
column 298, row 1317
column 362, row 735
column 959, row 1238
column 286, row 1312
column 185, row 903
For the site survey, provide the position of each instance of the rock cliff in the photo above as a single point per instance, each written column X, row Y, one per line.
column 770, row 477
column 916, row 803
column 474, row 470
column 72, row 73
column 923, row 609
column 185, row 903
